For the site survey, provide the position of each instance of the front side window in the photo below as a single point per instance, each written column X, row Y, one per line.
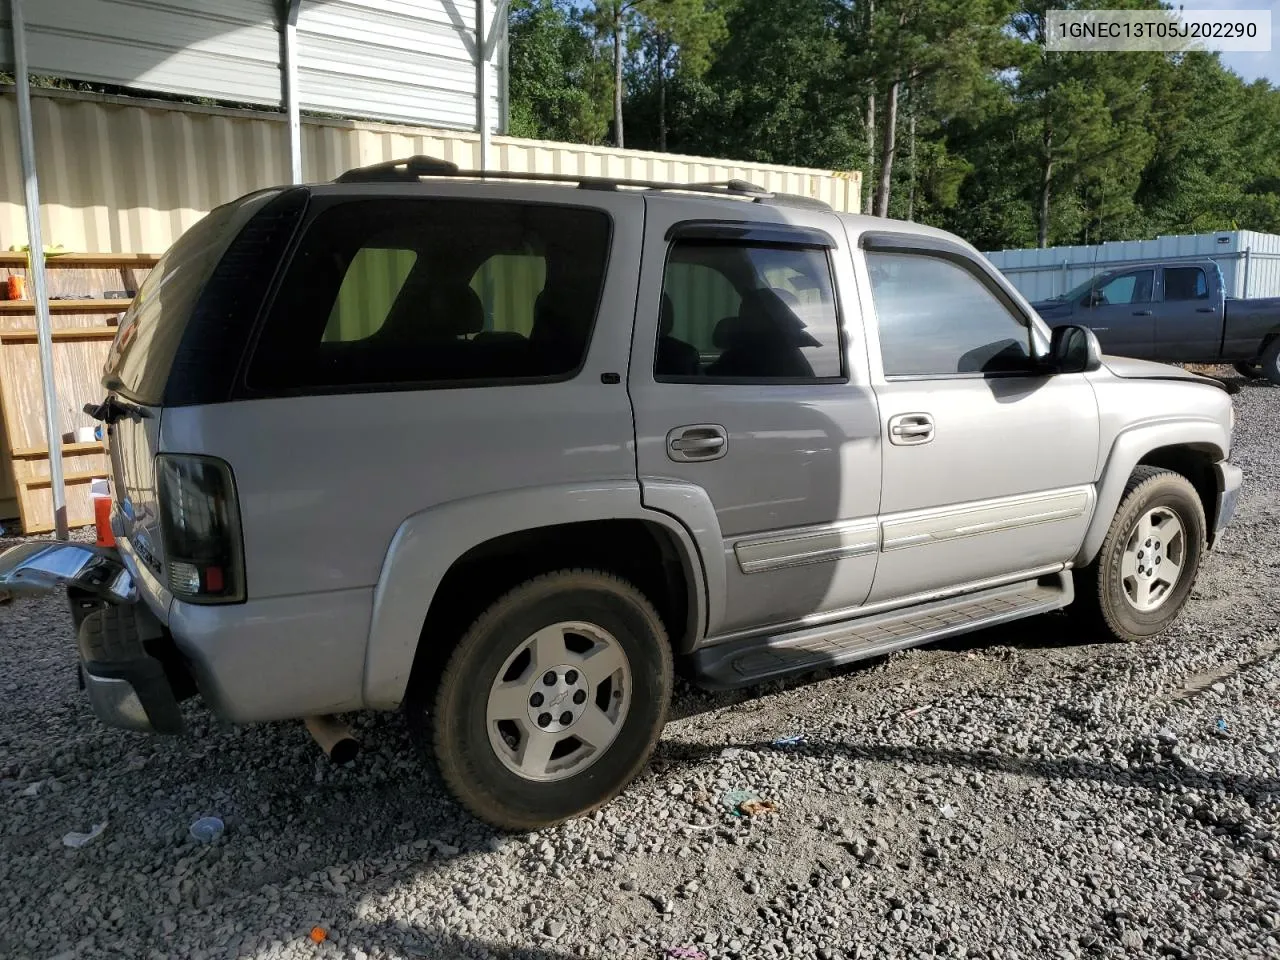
column 937, row 319
column 1127, row 288
column 423, row 292
column 1185, row 283
column 747, row 312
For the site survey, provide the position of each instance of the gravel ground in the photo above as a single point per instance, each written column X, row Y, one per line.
column 1016, row 793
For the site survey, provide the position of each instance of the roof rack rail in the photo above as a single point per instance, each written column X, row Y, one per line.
column 412, row 169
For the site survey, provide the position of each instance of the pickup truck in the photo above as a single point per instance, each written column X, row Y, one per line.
column 501, row 450
column 1176, row 312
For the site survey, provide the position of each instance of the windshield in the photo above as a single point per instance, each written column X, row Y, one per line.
column 1077, row 292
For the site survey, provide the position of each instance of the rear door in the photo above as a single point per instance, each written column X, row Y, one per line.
column 743, row 386
column 1189, row 324
column 988, row 463
column 1121, row 314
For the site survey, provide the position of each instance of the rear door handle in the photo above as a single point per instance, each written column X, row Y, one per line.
column 1205, row 310
column 910, row 429
column 699, row 441
column 1142, row 313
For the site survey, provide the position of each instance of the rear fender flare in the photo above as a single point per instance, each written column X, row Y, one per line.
column 426, row 545
column 1131, row 445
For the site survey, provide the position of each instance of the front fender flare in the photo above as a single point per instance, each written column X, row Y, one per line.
column 1130, row 446
column 426, row 545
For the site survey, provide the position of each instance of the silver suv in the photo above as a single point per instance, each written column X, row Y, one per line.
column 503, row 452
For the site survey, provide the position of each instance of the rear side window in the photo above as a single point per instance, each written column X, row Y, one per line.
column 938, row 319
column 746, row 312
column 1185, row 283
column 437, row 292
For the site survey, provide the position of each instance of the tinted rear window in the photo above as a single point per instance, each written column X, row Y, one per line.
column 142, row 353
column 434, row 292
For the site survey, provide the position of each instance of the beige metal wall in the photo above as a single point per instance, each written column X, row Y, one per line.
column 124, row 175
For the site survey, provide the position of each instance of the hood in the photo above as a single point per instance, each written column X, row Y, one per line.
column 1052, row 309
column 1128, row 368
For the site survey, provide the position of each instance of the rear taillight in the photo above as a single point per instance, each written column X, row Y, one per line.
column 200, row 518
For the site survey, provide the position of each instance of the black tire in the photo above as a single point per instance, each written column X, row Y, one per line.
column 1248, row 370
column 1100, row 598
column 470, row 765
column 1271, row 361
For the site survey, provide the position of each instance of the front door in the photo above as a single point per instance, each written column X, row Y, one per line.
column 1121, row 314
column 988, row 465
column 743, row 387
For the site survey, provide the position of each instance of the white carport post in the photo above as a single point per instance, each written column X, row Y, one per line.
column 289, row 51
column 487, row 37
column 482, row 94
column 39, row 285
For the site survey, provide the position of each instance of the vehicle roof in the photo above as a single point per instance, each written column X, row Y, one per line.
column 773, row 207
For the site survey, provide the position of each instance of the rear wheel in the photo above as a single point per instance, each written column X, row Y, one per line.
column 1248, row 370
column 1271, row 362
column 1149, row 560
column 553, row 701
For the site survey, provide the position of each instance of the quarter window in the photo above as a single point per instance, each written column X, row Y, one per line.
column 422, row 292
column 745, row 312
column 938, row 319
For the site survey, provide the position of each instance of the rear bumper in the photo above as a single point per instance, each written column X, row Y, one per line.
column 127, row 686
column 1229, row 478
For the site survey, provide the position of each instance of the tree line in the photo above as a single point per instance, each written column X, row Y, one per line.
column 953, row 110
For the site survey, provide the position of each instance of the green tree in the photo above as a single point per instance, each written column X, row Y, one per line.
column 1085, row 118
column 676, row 36
column 557, row 86
column 687, row 28
column 952, row 47
column 776, row 92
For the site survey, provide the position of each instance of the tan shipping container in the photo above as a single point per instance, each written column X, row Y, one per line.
column 124, row 175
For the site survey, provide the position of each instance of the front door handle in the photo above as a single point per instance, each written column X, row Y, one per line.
column 910, row 429
column 1205, row 310
column 1142, row 313
column 699, row 441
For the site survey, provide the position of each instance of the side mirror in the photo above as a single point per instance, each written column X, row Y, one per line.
column 1074, row 349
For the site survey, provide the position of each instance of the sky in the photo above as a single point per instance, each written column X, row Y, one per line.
column 1251, row 66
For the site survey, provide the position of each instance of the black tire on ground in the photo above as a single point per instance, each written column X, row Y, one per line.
column 1100, row 595
column 1271, row 361
column 1248, row 370
column 469, row 763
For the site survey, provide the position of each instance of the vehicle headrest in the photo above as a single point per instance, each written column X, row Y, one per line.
column 726, row 334
column 454, row 310
column 766, row 316
column 666, row 316
column 563, row 313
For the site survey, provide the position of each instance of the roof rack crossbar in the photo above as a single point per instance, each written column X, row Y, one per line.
column 415, row 168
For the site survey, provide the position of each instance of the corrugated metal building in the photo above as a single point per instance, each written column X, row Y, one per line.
column 123, row 175
column 1250, row 261
column 410, row 61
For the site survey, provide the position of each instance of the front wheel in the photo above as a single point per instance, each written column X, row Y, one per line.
column 1149, row 560
column 554, row 700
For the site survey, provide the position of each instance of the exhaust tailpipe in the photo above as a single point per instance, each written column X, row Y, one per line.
column 335, row 739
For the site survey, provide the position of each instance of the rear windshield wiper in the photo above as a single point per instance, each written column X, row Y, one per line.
column 113, row 409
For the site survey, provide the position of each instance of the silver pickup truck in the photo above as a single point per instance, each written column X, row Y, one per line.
column 1173, row 311
column 502, row 453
